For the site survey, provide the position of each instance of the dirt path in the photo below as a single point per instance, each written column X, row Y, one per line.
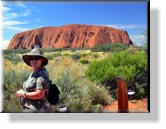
column 134, row 106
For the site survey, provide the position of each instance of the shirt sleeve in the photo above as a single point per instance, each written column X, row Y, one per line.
column 40, row 83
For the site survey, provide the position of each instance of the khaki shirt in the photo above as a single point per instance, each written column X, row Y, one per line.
column 36, row 80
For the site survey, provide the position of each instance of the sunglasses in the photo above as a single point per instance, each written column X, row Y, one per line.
column 35, row 58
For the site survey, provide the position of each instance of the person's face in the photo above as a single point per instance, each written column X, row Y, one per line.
column 35, row 62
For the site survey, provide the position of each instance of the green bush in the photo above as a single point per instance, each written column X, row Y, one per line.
column 61, row 49
column 95, row 55
column 76, row 56
column 141, row 89
column 52, row 49
column 124, row 64
column 113, row 47
column 140, row 93
column 13, row 58
column 12, row 55
column 16, row 51
column 49, row 49
column 67, row 54
column 52, row 56
column 84, row 61
column 84, row 54
column 75, row 49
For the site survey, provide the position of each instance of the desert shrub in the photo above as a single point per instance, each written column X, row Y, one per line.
column 113, row 47
column 82, row 98
column 67, row 54
column 84, row 54
column 52, row 56
column 13, row 81
column 124, row 64
column 95, row 55
column 12, row 55
column 100, row 95
column 10, row 102
column 114, row 94
column 61, row 49
column 76, row 56
column 75, row 49
column 84, row 61
column 13, row 58
column 21, row 51
column 52, row 49
column 16, row 51
column 141, row 90
column 66, row 86
column 140, row 93
column 71, row 93
column 49, row 49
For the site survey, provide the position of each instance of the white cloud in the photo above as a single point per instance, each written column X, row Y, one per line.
column 17, row 28
column 27, row 12
column 121, row 26
column 10, row 15
column 38, row 20
column 6, row 9
column 14, row 22
column 36, row 10
column 130, row 26
column 138, row 39
column 20, row 4
column 5, row 43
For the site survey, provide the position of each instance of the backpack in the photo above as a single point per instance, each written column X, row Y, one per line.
column 53, row 94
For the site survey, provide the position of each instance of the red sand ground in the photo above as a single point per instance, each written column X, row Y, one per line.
column 133, row 105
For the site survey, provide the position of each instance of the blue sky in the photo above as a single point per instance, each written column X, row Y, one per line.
column 22, row 16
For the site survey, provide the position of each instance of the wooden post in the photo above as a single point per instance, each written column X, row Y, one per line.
column 122, row 95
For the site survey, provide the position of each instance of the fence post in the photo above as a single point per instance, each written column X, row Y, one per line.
column 122, row 95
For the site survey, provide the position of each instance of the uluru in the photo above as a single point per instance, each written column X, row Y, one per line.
column 69, row 36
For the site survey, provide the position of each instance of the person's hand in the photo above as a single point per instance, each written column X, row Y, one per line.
column 20, row 93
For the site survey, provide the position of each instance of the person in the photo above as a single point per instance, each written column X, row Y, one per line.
column 34, row 93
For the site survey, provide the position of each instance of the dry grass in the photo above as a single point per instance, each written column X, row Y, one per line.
column 21, row 66
column 56, row 68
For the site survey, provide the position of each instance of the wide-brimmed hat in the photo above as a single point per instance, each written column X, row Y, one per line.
column 35, row 52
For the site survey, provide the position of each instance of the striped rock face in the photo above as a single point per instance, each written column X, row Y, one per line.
column 69, row 36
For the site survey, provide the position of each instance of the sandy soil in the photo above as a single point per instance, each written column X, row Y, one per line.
column 133, row 105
